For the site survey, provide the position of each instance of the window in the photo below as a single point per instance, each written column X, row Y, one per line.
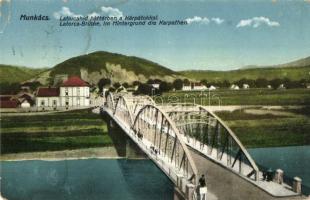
column 66, row 91
column 54, row 103
column 67, row 102
column 77, row 91
column 42, row 103
column 78, row 101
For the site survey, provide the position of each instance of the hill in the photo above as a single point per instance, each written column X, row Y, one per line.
column 304, row 62
column 94, row 66
column 293, row 73
column 14, row 74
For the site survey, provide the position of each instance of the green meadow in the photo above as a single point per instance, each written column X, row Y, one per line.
column 291, row 128
column 52, row 132
column 241, row 97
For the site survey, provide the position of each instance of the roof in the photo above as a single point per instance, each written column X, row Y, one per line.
column 12, row 103
column 5, row 97
column 74, row 81
column 48, row 92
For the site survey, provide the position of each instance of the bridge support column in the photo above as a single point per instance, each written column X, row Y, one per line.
column 278, row 178
column 190, row 188
column 180, row 182
column 177, row 195
column 297, row 185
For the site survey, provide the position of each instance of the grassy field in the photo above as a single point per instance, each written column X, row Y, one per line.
column 242, row 97
column 51, row 132
column 293, row 73
column 268, row 130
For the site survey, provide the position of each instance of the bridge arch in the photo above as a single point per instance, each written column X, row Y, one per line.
column 110, row 101
column 123, row 110
column 154, row 126
column 207, row 133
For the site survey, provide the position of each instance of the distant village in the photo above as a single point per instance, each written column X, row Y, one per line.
column 71, row 93
column 75, row 93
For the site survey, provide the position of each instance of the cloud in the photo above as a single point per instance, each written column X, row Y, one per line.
column 105, row 11
column 94, row 14
column 256, row 22
column 196, row 19
column 217, row 20
column 111, row 12
column 204, row 20
column 65, row 11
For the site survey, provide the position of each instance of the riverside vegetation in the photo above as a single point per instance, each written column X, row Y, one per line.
column 53, row 132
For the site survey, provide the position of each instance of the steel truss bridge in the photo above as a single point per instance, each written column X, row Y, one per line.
column 167, row 134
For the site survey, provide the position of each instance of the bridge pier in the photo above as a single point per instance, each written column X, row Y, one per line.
column 125, row 147
column 178, row 195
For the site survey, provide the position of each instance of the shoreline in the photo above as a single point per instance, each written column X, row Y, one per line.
column 77, row 154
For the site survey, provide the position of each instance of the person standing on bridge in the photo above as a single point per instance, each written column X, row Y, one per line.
column 202, row 187
column 202, row 181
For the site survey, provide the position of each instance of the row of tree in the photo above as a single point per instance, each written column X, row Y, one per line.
column 260, row 83
column 177, row 84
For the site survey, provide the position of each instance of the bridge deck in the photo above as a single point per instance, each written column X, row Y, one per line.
column 222, row 184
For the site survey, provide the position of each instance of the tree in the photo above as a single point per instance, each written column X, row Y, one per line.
column 205, row 82
column 116, row 85
column 135, row 83
column 165, row 87
column 186, row 82
column 33, row 85
column 261, row 83
column 9, row 88
column 125, row 85
column 144, row 89
column 275, row 83
column 225, row 84
column 178, row 84
column 150, row 81
column 102, row 83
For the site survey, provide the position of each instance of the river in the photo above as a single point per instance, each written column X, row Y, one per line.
column 294, row 161
column 90, row 179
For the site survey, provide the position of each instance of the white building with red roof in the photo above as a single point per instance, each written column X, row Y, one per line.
column 74, row 92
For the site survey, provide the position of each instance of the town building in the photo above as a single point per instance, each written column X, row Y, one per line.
column 21, row 100
column 187, row 87
column 234, row 87
column 198, row 86
column 281, row 87
column 72, row 93
column 195, row 86
column 212, row 87
column 155, row 85
column 245, row 86
column 48, row 97
column 8, row 101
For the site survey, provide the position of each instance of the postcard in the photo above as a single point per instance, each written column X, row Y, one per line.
column 155, row 99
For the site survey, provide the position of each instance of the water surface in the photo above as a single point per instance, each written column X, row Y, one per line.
column 84, row 179
column 294, row 161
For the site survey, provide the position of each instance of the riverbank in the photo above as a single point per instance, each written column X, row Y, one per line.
column 100, row 152
column 60, row 131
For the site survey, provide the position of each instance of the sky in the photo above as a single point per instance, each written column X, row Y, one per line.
column 220, row 34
